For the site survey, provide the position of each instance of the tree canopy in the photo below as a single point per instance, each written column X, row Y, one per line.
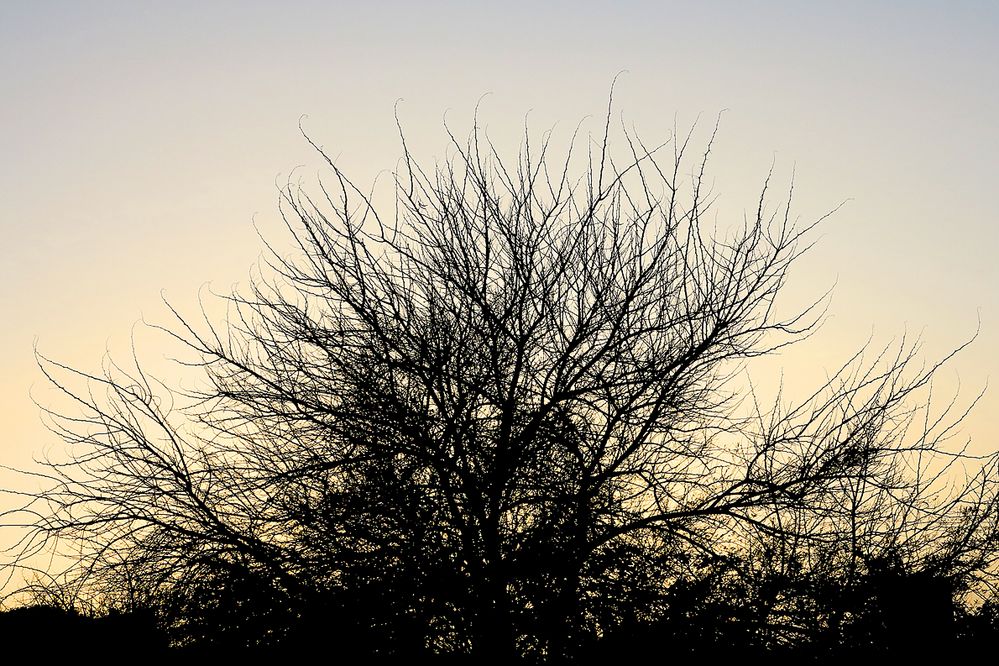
column 504, row 416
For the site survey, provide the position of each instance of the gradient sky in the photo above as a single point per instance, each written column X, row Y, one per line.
column 141, row 140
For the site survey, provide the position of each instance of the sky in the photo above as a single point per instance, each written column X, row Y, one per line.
column 143, row 145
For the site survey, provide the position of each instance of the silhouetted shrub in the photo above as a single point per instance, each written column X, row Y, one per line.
column 497, row 421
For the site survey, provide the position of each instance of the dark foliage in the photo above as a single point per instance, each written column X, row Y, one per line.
column 49, row 632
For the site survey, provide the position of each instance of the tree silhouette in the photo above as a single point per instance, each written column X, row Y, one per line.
column 503, row 418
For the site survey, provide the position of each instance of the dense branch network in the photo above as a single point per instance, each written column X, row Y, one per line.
column 503, row 416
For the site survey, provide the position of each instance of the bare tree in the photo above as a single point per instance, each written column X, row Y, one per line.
column 501, row 418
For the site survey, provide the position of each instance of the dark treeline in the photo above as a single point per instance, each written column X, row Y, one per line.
column 49, row 631
column 506, row 418
column 887, row 613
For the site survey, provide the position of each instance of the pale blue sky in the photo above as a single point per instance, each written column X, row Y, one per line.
column 141, row 138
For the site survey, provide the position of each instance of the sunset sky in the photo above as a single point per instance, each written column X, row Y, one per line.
column 142, row 141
